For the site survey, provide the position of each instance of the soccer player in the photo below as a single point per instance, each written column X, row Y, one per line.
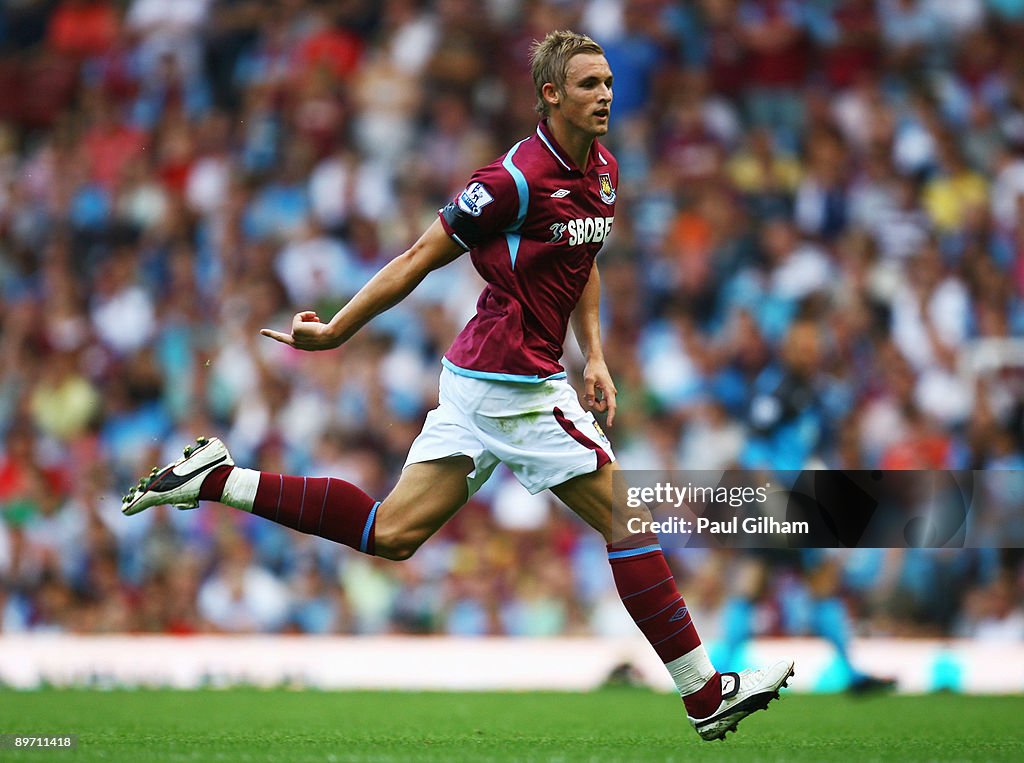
column 533, row 222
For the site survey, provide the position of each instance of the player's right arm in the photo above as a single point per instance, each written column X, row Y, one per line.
column 488, row 205
column 392, row 283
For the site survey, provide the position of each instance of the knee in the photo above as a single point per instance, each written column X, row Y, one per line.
column 395, row 544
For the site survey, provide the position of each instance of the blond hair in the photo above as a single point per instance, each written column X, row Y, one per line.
column 549, row 61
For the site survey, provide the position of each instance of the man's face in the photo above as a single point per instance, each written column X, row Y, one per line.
column 586, row 101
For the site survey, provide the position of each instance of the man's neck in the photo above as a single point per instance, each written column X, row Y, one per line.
column 575, row 143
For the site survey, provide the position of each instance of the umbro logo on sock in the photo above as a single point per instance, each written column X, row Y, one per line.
column 679, row 615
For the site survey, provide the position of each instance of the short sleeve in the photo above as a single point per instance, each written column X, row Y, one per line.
column 488, row 205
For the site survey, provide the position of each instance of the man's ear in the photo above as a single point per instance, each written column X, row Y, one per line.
column 550, row 93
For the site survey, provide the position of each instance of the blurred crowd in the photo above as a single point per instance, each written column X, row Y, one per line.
column 818, row 261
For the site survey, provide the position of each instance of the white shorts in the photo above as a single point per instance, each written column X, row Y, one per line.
column 538, row 430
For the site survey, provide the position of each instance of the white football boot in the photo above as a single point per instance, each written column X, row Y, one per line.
column 742, row 694
column 177, row 484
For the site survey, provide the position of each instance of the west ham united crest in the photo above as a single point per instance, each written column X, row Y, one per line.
column 607, row 192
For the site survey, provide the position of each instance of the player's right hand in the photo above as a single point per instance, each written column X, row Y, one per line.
column 308, row 333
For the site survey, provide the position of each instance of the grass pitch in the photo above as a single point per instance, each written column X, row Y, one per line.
column 609, row 725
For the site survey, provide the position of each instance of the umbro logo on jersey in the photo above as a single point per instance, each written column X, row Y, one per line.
column 561, row 193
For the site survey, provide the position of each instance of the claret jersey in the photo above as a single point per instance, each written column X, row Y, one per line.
column 533, row 223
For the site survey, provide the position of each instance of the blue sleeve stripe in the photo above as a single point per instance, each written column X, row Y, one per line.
column 521, row 187
column 626, row 553
column 512, row 240
column 369, row 525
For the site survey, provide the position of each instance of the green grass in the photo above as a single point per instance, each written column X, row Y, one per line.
column 609, row 725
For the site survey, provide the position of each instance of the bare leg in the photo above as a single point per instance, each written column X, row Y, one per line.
column 591, row 496
column 427, row 495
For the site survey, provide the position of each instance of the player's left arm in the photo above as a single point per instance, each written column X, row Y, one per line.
column 599, row 390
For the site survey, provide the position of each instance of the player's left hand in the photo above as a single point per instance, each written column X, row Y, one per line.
column 599, row 390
